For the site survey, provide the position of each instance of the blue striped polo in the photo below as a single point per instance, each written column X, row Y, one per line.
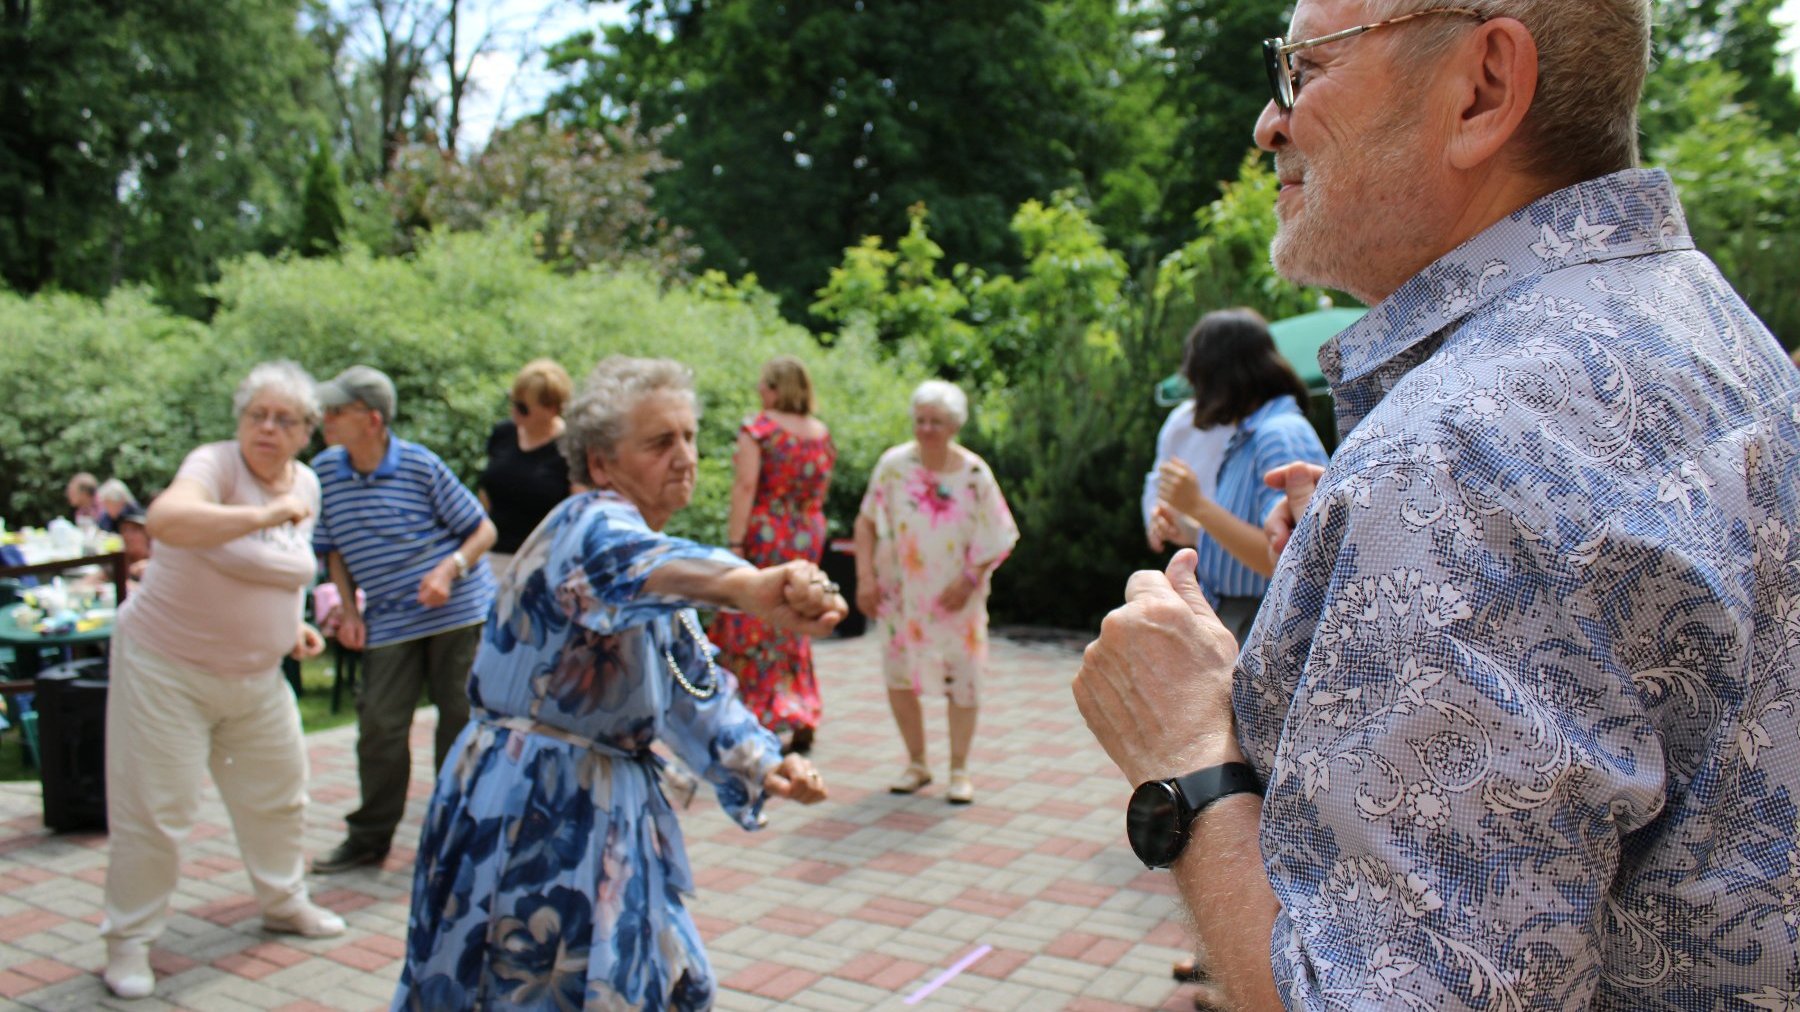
column 1272, row 435
column 392, row 526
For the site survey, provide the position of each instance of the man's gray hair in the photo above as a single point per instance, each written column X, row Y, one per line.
column 113, row 490
column 1593, row 56
column 286, row 379
column 597, row 417
column 943, row 395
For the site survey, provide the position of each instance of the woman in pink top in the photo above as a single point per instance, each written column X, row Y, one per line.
column 196, row 676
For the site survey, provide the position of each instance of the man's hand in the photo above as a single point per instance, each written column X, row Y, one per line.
column 957, row 594
column 1177, row 485
column 308, row 644
column 796, row 596
column 796, row 780
column 1298, row 480
column 284, row 509
column 350, row 631
column 1155, row 688
column 434, row 589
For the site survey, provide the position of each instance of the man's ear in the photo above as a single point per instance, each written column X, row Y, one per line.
column 1497, row 78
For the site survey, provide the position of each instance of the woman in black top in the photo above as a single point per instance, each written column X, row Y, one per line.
column 526, row 475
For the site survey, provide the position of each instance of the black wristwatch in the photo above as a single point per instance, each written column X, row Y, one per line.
column 1161, row 811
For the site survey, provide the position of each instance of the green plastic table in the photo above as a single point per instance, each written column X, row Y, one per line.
column 26, row 641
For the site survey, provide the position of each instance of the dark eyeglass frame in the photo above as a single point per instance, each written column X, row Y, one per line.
column 1282, row 79
column 520, row 406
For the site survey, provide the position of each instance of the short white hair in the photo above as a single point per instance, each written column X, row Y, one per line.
column 286, row 379
column 113, row 490
column 1593, row 56
column 596, row 418
column 944, row 395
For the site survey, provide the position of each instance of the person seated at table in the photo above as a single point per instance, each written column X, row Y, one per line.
column 114, row 498
column 196, row 681
column 80, row 493
column 134, row 531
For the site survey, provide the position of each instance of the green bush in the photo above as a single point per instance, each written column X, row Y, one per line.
column 124, row 388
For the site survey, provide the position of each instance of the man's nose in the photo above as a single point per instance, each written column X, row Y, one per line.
column 1271, row 127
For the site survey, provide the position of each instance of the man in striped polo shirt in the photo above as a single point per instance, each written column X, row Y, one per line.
column 397, row 524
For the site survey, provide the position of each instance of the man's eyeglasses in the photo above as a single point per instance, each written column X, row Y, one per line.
column 259, row 417
column 1284, row 84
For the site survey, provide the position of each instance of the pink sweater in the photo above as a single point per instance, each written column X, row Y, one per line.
column 232, row 610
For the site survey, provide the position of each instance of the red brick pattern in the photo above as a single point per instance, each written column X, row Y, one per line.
column 851, row 904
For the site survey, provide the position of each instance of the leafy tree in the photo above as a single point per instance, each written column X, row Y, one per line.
column 1741, row 37
column 1210, row 56
column 146, row 141
column 588, row 190
column 321, row 207
column 802, row 125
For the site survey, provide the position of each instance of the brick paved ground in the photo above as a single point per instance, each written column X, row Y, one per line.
column 855, row 903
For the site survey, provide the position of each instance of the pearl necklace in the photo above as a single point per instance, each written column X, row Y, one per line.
column 712, row 670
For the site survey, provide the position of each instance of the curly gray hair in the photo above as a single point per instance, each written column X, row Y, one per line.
column 596, row 418
column 285, row 378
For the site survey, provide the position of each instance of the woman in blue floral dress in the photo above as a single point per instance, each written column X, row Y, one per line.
column 551, row 866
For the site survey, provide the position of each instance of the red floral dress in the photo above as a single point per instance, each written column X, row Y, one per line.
column 787, row 521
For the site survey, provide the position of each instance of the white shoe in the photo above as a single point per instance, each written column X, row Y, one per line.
column 128, row 973
column 306, row 919
column 915, row 776
column 962, row 789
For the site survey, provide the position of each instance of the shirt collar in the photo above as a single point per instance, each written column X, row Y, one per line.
column 1625, row 214
column 389, row 466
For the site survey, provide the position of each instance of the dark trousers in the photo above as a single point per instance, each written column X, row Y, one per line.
column 393, row 677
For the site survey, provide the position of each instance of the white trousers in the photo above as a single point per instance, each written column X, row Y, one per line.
column 167, row 725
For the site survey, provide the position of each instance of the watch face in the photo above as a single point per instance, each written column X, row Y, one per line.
column 1154, row 825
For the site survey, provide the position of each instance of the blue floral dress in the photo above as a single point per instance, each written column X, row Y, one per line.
column 551, row 866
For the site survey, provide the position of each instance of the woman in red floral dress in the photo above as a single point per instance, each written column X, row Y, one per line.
column 783, row 467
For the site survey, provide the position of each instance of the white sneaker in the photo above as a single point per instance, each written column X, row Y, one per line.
column 306, row 919
column 128, row 973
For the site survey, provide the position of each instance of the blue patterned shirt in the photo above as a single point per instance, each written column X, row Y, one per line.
column 1272, row 435
column 1523, row 688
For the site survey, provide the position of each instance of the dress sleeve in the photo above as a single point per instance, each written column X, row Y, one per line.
column 718, row 737
column 1459, row 761
column 759, row 427
column 604, row 588
column 994, row 532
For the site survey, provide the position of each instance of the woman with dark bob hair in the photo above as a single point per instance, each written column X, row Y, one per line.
column 1239, row 379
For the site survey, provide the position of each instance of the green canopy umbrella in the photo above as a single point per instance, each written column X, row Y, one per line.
column 1298, row 338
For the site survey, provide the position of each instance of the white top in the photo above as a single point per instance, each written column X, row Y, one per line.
column 232, row 610
column 1200, row 449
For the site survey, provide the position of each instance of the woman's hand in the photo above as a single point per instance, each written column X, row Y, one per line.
column 796, row 596
column 957, row 594
column 1177, row 485
column 309, row 643
column 796, row 780
column 868, row 596
column 284, row 509
column 1172, row 527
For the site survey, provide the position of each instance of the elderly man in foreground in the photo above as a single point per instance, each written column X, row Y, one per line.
column 1521, row 698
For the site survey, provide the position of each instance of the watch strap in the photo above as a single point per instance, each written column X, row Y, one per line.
column 1203, row 787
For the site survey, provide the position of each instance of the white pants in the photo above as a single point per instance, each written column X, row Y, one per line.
column 166, row 726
